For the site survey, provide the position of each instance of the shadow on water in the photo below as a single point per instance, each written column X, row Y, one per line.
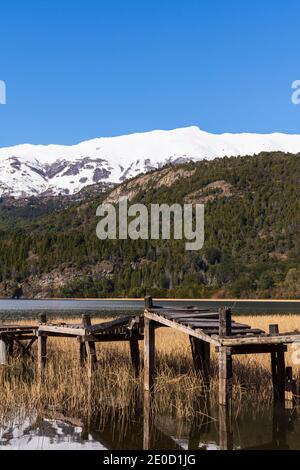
column 269, row 427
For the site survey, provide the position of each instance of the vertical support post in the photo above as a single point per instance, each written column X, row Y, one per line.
column 278, row 368
column 225, row 359
column 225, row 429
column 42, row 348
column 90, row 346
column 148, row 302
column 135, row 355
column 201, row 358
column 147, row 421
column 149, row 354
column 3, row 350
column 225, row 325
column 290, row 387
column 82, row 353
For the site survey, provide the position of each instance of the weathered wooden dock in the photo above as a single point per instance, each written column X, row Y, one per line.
column 208, row 329
column 205, row 329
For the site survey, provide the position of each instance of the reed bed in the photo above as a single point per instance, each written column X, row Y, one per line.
column 179, row 391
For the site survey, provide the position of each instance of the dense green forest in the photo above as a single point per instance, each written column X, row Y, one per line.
column 252, row 243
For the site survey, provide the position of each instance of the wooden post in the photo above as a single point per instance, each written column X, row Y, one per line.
column 225, row 326
column 290, row 387
column 90, row 346
column 148, row 302
column 147, row 421
column 225, row 359
column 278, row 368
column 225, row 429
column 42, row 348
column 201, row 358
column 149, row 354
column 3, row 350
column 82, row 353
column 225, row 376
column 135, row 355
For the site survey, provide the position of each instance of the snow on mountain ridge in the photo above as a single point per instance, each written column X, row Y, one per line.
column 35, row 169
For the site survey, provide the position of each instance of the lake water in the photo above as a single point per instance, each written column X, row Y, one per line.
column 31, row 308
column 270, row 428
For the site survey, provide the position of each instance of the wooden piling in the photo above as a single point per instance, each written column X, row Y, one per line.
column 225, row 359
column 90, row 346
column 135, row 355
column 278, row 368
column 3, row 350
column 42, row 348
column 149, row 354
column 82, row 353
column 201, row 358
column 148, row 302
column 225, row 428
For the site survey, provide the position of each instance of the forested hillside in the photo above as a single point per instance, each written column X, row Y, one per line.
column 252, row 243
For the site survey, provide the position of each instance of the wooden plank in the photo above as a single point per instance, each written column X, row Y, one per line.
column 149, row 355
column 62, row 330
column 212, row 323
column 200, row 316
column 108, row 325
column 182, row 328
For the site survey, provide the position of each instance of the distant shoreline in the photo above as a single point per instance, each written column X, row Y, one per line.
column 163, row 299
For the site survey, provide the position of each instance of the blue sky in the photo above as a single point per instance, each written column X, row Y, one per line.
column 79, row 69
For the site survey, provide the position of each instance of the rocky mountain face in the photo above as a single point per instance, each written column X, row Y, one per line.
column 47, row 170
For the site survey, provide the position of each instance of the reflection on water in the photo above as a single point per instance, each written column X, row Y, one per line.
column 268, row 428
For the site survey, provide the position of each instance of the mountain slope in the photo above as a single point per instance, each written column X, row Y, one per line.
column 251, row 249
column 31, row 170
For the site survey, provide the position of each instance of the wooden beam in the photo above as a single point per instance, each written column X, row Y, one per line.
column 255, row 349
column 149, row 355
column 197, row 333
column 261, row 339
column 63, row 330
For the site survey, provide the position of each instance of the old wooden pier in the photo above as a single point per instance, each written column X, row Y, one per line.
column 205, row 329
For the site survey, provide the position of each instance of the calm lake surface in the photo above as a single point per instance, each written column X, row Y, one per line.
column 30, row 308
column 269, row 428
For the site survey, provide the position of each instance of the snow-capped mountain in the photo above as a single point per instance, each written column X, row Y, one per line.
column 31, row 170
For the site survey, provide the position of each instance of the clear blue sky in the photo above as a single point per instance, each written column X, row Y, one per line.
column 79, row 69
